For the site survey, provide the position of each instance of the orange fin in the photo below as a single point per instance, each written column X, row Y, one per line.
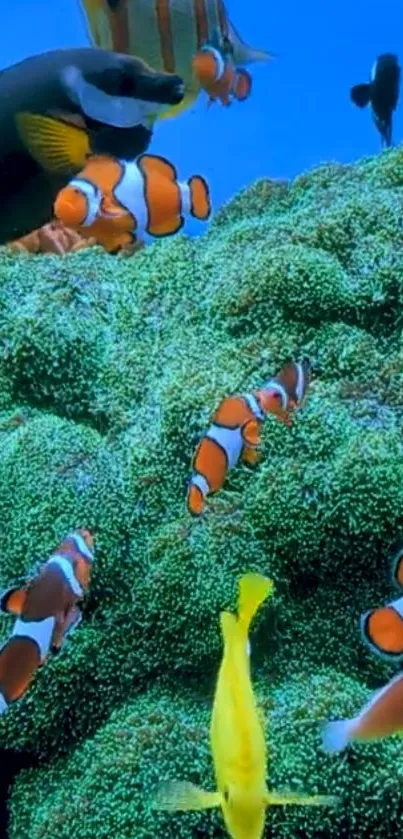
column 251, row 456
column 156, row 165
column 65, row 625
column 12, row 600
column 200, row 205
column 382, row 630
column 195, row 500
column 250, row 432
column 243, row 85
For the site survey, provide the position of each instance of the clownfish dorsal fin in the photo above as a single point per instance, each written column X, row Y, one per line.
column 104, row 171
column 150, row 164
column 57, row 146
column 12, row 600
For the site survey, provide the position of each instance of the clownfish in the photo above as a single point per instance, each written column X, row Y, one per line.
column 60, row 106
column 176, row 36
column 47, row 611
column 382, row 628
column 219, row 77
column 118, row 201
column 235, row 430
column 382, row 631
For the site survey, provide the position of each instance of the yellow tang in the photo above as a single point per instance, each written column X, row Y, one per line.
column 167, row 35
column 237, row 737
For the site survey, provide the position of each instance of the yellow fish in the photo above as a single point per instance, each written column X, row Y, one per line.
column 192, row 38
column 237, row 737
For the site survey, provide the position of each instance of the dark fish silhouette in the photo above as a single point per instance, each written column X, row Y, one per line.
column 382, row 93
column 56, row 108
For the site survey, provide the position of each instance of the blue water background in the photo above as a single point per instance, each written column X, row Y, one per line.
column 300, row 112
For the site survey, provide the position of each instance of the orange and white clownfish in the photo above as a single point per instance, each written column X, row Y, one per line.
column 47, row 611
column 219, row 77
column 382, row 628
column 382, row 631
column 172, row 35
column 118, row 201
column 235, row 430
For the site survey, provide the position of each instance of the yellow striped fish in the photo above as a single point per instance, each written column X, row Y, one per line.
column 193, row 38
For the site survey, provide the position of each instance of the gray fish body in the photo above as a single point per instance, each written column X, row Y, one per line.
column 38, row 85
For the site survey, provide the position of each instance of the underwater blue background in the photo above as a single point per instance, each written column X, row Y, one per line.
column 300, row 112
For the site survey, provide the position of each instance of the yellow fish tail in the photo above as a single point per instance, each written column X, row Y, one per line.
column 254, row 589
column 282, row 799
column 182, row 795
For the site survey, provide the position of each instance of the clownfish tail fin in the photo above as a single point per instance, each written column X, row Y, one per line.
column 200, row 204
column 382, row 630
column 198, row 488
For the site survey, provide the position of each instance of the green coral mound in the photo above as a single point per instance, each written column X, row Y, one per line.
column 109, row 372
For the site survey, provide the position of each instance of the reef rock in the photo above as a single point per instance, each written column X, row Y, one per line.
column 109, row 372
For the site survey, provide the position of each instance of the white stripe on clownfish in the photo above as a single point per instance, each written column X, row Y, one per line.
column 201, row 483
column 186, row 201
column 67, row 570
column 299, row 388
column 229, row 439
column 93, row 195
column 82, row 546
column 38, row 631
column 254, row 406
column 277, row 388
column 131, row 183
column 219, row 61
column 397, row 605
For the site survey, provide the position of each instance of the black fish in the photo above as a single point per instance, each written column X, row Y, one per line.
column 382, row 93
column 58, row 107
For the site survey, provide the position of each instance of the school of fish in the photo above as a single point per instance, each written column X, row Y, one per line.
column 76, row 128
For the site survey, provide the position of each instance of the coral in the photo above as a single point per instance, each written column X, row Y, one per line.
column 109, row 372
column 53, row 237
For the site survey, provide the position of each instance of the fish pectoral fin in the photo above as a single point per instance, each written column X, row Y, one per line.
column 65, row 623
column 250, row 432
column 56, row 146
column 109, row 209
column 295, row 798
column 360, row 94
column 251, row 456
column 182, row 795
column 12, row 600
